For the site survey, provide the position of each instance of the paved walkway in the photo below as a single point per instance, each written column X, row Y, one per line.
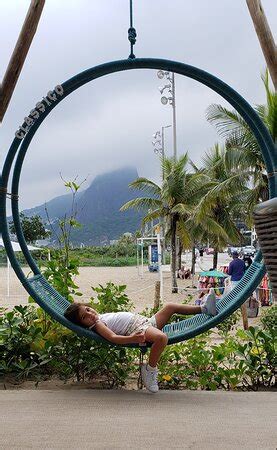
column 95, row 419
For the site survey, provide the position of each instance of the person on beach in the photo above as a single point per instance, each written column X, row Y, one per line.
column 247, row 261
column 183, row 273
column 236, row 269
column 201, row 298
column 129, row 328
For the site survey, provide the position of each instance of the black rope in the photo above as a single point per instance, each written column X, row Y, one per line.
column 4, row 191
column 143, row 350
column 132, row 34
column 140, row 384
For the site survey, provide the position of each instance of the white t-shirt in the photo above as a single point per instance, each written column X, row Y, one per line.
column 118, row 322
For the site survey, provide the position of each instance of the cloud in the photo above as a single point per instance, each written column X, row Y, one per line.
column 109, row 123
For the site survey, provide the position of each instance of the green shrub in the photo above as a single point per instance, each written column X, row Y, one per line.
column 20, row 335
column 111, row 298
column 33, row 346
column 257, row 357
column 246, row 361
column 269, row 319
column 189, row 365
column 229, row 324
column 60, row 272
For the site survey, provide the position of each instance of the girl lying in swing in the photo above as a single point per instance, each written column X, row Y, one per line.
column 130, row 328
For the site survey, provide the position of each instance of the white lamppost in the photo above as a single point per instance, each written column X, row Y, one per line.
column 169, row 99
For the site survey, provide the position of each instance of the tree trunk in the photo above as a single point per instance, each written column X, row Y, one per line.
column 180, row 249
column 265, row 37
column 157, row 298
column 19, row 54
column 173, row 255
column 215, row 259
column 243, row 309
column 193, row 259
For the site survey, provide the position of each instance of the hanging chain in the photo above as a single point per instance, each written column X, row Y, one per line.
column 132, row 34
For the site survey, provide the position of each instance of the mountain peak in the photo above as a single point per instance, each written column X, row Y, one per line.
column 99, row 208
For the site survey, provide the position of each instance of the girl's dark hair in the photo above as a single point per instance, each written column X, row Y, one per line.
column 72, row 313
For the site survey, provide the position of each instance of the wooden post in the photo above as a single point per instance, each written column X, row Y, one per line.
column 157, row 295
column 265, row 37
column 19, row 54
column 243, row 309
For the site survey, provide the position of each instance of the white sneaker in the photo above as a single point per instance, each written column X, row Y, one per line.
column 210, row 305
column 150, row 378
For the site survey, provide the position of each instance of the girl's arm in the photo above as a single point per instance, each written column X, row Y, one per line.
column 108, row 334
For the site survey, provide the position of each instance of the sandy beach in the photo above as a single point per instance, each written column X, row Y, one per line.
column 140, row 285
column 140, row 289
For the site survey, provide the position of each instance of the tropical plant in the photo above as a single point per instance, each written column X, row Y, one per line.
column 243, row 151
column 219, row 208
column 62, row 268
column 269, row 319
column 111, row 298
column 33, row 346
column 173, row 201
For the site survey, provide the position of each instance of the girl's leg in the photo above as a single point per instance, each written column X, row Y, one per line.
column 159, row 341
column 164, row 315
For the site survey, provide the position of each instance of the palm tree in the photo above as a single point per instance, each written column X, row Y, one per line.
column 216, row 213
column 172, row 201
column 243, row 151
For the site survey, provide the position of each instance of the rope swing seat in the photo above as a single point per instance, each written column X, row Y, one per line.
column 37, row 286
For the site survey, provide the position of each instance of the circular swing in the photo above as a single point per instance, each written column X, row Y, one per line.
column 37, row 286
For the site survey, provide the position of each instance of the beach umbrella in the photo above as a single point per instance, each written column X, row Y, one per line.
column 213, row 273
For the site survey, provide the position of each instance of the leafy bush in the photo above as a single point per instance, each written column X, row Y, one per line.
column 269, row 319
column 60, row 272
column 111, row 298
column 34, row 346
column 246, row 361
column 188, row 365
column 228, row 324
column 257, row 354
column 20, row 333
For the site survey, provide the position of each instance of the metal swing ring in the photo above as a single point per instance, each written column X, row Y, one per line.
column 37, row 115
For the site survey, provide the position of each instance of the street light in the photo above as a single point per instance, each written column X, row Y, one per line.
column 159, row 148
column 169, row 99
column 158, row 143
column 164, row 100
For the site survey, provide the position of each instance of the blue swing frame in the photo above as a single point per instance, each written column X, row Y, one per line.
column 43, row 293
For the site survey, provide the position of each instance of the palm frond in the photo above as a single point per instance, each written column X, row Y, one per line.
column 235, row 184
column 269, row 113
column 182, row 209
column 143, row 184
column 213, row 228
column 183, row 233
column 141, row 203
column 152, row 215
column 224, row 120
column 195, row 167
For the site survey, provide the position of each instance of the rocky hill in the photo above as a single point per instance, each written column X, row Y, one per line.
column 97, row 209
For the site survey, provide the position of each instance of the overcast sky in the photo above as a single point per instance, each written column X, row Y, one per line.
column 109, row 123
